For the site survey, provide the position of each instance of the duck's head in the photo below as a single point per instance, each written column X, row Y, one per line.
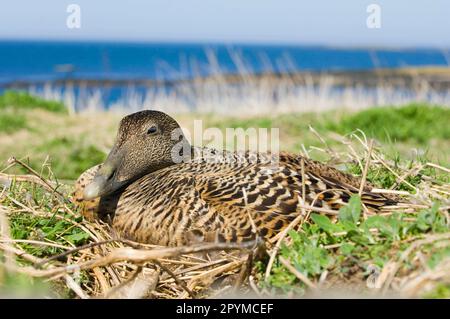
column 146, row 141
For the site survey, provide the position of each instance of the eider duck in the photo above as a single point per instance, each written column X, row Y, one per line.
column 151, row 196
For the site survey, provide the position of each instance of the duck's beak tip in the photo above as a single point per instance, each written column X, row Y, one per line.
column 91, row 191
column 102, row 184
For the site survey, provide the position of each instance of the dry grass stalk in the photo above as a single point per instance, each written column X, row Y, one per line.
column 298, row 274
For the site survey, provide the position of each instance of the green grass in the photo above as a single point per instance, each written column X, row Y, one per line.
column 420, row 127
column 11, row 122
column 53, row 228
column 15, row 105
column 415, row 122
column 357, row 244
column 69, row 156
column 49, row 229
column 43, row 125
column 442, row 291
column 385, row 178
column 23, row 100
column 56, row 228
column 23, row 286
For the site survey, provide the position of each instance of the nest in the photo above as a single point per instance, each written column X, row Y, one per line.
column 111, row 267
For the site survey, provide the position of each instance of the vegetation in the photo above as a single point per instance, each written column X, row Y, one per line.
column 404, row 252
column 10, row 121
column 415, row 122
column 22, row 100
column 354, row 247
column 15, row 105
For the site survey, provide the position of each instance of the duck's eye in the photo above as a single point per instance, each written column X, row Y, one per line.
column 152, row 130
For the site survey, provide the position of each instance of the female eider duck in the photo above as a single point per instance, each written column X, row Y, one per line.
column 151, row 196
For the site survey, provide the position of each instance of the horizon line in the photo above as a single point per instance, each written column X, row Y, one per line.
column 228, row 43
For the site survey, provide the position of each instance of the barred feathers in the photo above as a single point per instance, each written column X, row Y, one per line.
column 204, row 201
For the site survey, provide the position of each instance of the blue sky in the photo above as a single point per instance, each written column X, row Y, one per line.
column 343, row 23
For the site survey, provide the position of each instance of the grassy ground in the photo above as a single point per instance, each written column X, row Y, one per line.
column 402, row 253
column 32, row 130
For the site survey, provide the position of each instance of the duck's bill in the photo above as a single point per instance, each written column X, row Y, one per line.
column 104, row 183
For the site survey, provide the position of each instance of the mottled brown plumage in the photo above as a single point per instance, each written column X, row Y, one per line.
column 150, row 197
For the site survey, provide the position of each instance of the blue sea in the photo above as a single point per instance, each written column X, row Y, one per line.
column 43, row 61
column 32, row 60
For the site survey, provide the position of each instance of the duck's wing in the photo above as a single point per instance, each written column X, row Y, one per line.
column 249, row 199
column 337, row 179
column 254, row 195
